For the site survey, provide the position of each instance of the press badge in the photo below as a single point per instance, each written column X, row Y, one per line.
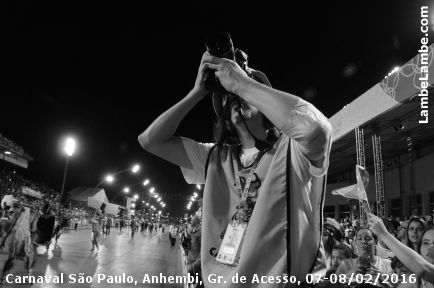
column 229, row 252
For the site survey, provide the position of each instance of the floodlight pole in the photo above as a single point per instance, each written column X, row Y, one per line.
column 64, row 176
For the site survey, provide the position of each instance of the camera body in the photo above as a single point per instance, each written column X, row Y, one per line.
column 220, row 44
column 364, row 262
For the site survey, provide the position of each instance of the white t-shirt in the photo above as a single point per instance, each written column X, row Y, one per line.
column 264, row 250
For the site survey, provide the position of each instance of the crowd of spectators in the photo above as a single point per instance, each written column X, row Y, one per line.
column 352, row 248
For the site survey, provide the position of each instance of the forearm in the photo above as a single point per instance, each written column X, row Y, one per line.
column 295, row 117
column 164, row 127
column 410, row 258
column 274, row 104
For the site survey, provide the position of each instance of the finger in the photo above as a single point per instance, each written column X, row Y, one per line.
column 213, row 66
column 213, row 59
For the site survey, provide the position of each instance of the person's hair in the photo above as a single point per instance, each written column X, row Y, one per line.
column 395, row 263
column 46, row 208
column 224, row 132
column 389, row 226
column 414, row 219
column 334, row 231
column 347, row 250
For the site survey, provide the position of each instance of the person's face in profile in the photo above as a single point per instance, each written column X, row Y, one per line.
column 426, row 246
column 325, row 235
column 232, row 104
column 414, row 232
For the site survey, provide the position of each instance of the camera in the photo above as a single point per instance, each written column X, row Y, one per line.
column 364, row 263
column 219, row 44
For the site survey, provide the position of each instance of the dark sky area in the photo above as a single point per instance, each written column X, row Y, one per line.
column 102, row 71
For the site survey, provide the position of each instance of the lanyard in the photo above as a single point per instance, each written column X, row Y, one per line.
column 245, row 192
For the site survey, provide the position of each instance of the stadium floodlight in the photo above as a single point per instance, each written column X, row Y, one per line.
column 135, row 168
column 69, row 149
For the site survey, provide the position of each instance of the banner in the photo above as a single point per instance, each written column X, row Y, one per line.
column 356, row 191
column 30, row 192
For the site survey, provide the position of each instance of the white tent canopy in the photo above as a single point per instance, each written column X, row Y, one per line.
column 83, row 193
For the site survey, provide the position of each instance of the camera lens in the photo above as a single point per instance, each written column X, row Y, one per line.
column 220, row 44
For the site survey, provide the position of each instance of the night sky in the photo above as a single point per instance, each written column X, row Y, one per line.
column 104, row 71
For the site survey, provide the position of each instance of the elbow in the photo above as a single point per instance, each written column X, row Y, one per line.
column 321, row 134
column 145, row 140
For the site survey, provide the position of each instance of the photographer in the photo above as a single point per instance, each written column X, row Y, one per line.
column 249, row 172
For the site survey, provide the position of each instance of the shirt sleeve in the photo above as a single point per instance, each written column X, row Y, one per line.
column 311, row 133
column 197, row 153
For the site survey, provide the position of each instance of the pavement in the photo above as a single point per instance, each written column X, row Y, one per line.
column 121, row 261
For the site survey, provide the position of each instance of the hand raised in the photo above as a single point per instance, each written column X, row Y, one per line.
column 230, row 74
column 376, row 225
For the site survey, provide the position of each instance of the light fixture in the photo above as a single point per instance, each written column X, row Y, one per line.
column 135, row 168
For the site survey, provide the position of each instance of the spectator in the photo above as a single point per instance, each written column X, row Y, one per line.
column 132, row 223
column 415, row 228
column 366, row 262
column 173, row 234
column 417, row 263
column 402, row 232
column 399, row 268
column 332, row 236
column 339, row 253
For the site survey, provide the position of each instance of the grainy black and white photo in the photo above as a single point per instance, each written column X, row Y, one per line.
column 217, row 144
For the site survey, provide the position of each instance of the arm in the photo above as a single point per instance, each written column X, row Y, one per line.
column 410, row 258
column 279, row 107
column 159, row 138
